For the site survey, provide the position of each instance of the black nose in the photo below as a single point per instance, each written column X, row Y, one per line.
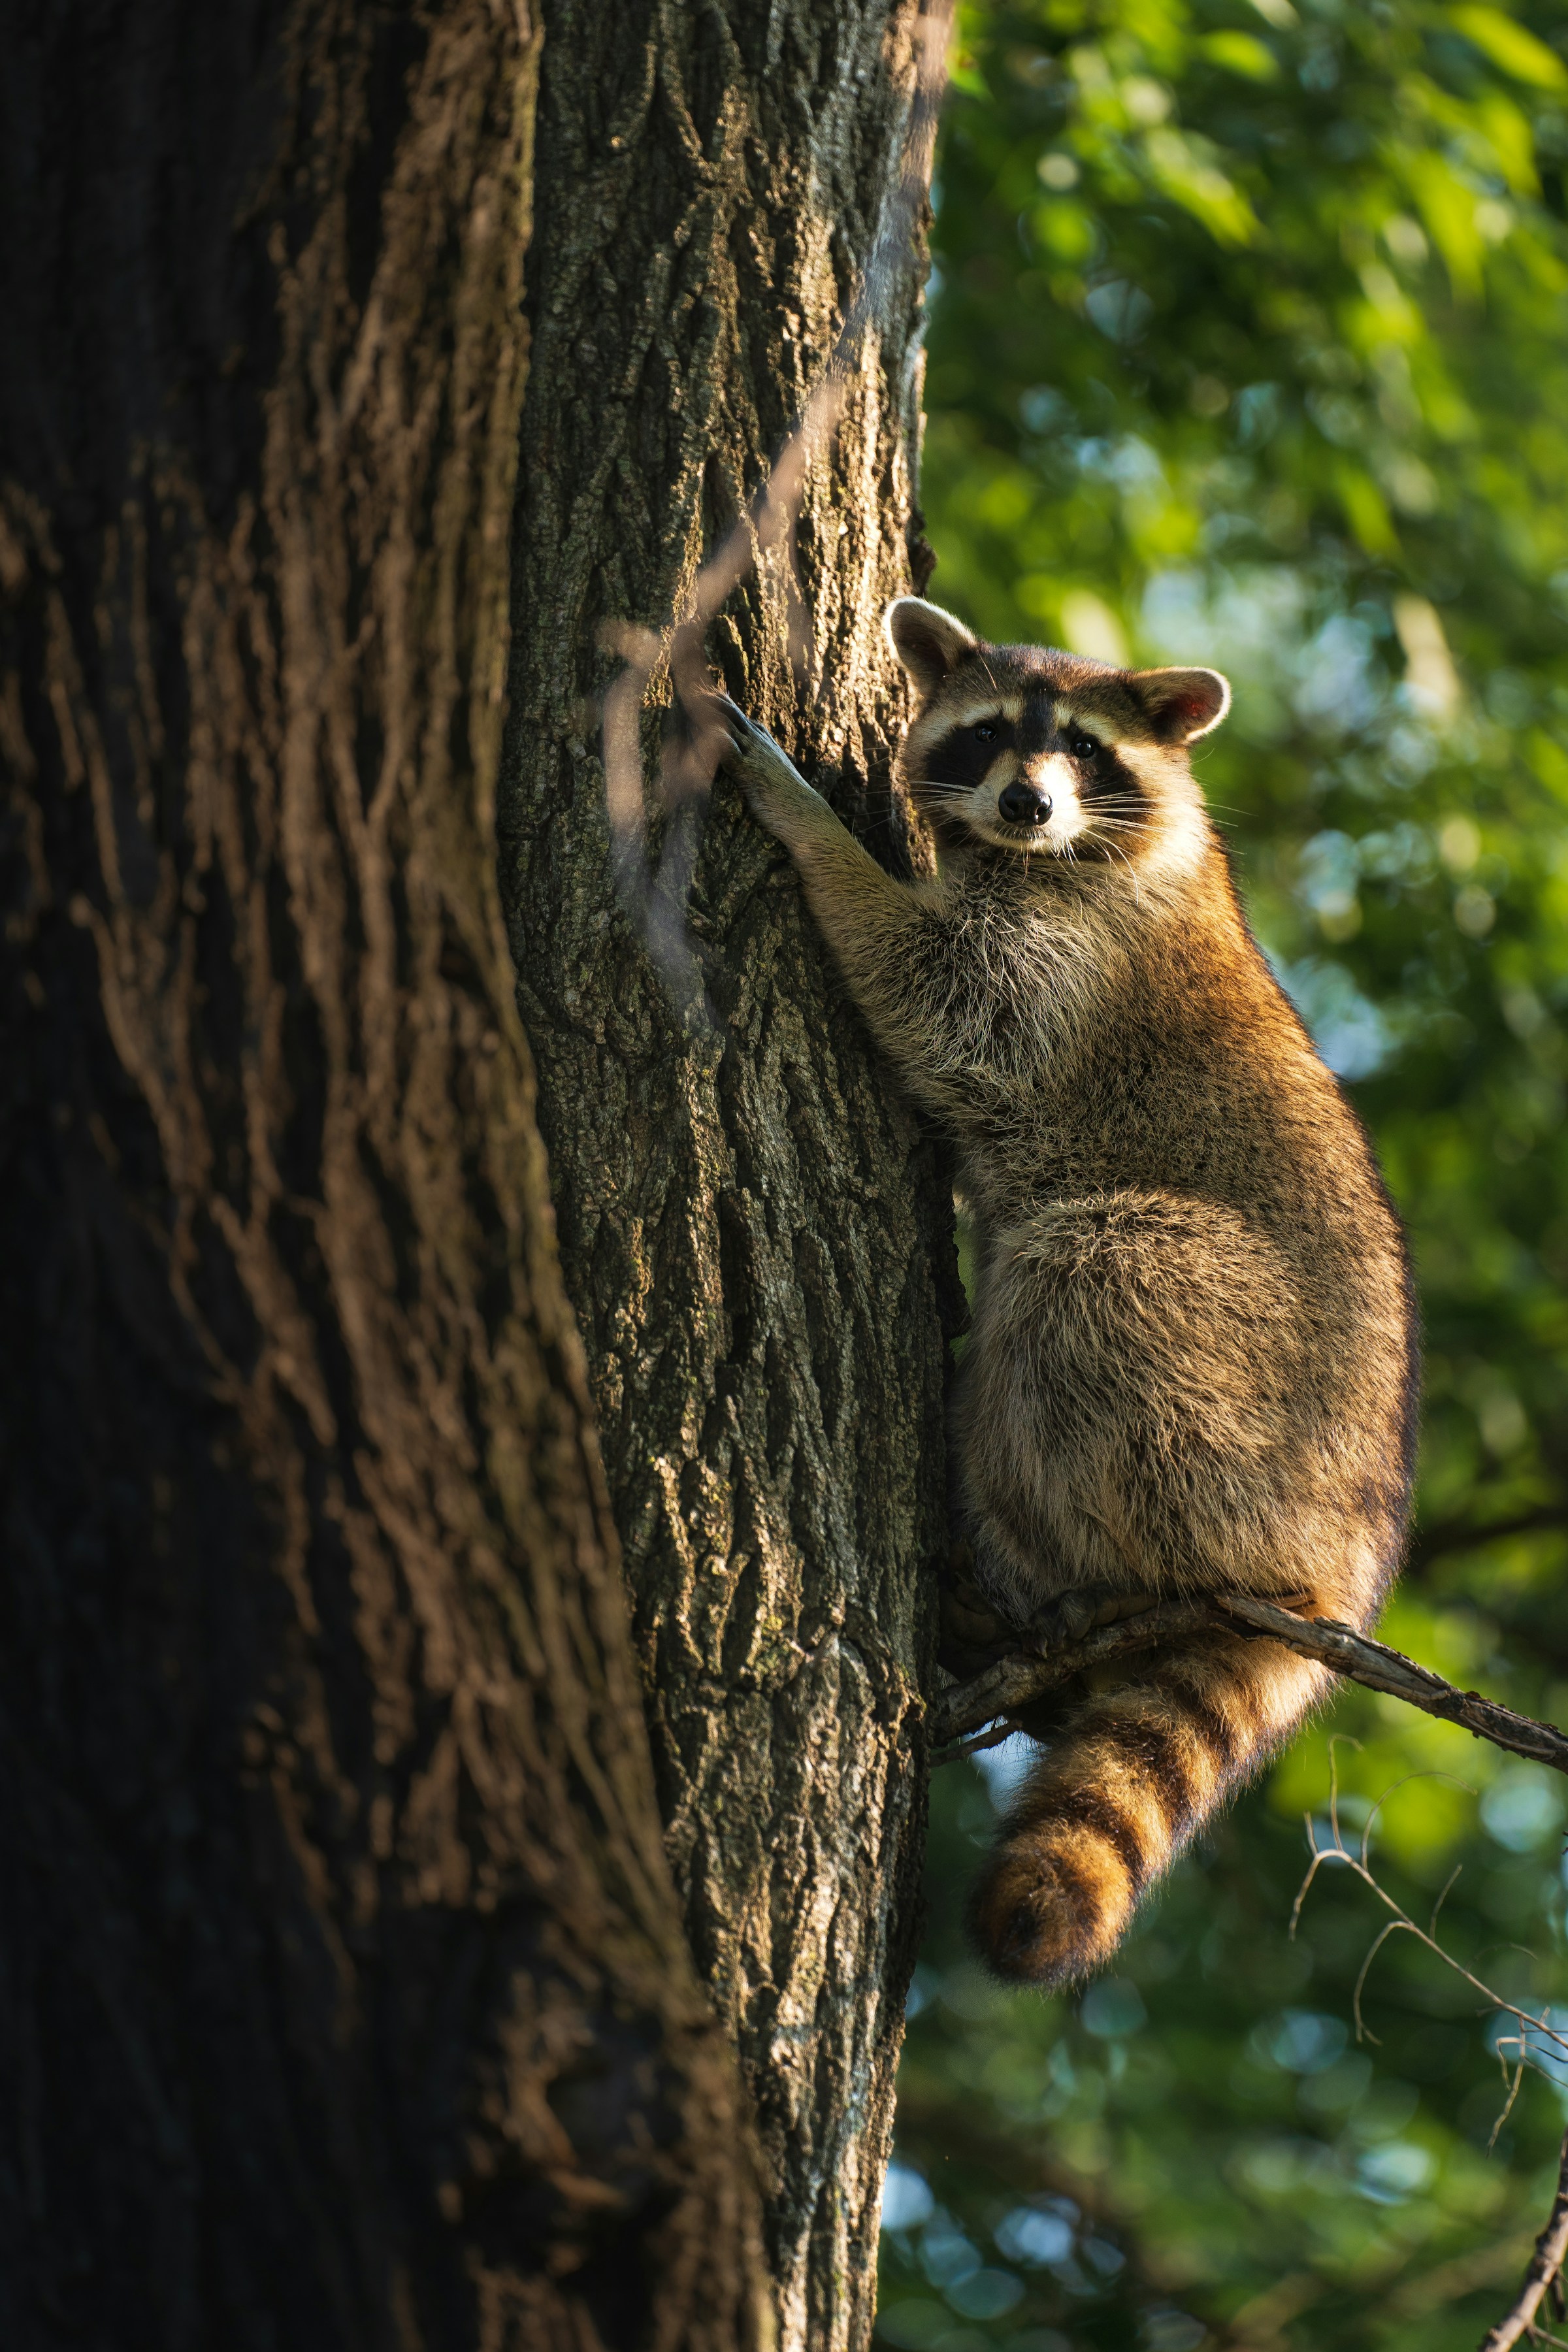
column 1022, row 804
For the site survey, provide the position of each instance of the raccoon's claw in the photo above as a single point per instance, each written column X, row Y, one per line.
column 748, row 742
column 741, row 730
column 1065, row 1620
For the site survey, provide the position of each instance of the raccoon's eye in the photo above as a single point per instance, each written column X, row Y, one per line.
column 985, row 733
column 1081, row 745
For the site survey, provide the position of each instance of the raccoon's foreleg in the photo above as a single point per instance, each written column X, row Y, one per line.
column 880, row 931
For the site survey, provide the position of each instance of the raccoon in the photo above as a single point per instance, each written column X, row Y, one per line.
column 1191, row 1362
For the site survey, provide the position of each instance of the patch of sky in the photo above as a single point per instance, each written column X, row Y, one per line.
column 907, row 2202
column 1330, row 871
column 1118, row 308
column 1121, row 458
column 1541, row 2042
column 1522, row 1808
column 1038, row 2234
column 1113, row 2008
column 923, row 1985
column 1253, row 621
column 1402, row 853
column 946, row 2254
column 985, row 2293
column 1300, row 2041
column 1336, row 691
column 1249, row 620
column 1256, row 410
column 1044, row 409
column 1411, row 750
column 1393, row 2172
column 1347, row 1028
column 1005, row 1765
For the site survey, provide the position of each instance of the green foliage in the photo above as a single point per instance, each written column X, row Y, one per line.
column 1250, row 346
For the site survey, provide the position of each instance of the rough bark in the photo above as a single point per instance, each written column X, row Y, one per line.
column 754, row 1235
column 343, row 1996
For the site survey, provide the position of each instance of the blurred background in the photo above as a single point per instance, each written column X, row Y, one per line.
column 1248, row 345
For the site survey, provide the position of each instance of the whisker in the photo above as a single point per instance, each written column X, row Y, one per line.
column 1131, row 869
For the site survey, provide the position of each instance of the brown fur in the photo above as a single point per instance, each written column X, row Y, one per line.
column 1191, row 1362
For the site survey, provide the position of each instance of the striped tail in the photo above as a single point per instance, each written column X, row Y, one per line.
column 1130, row 1775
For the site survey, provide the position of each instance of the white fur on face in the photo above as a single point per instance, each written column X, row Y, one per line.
column 1051, row 772
column 988, row 706
column 1178, row 832
column 1168, row 842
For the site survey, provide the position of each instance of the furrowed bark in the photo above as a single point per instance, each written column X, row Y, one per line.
column 756, row 1236
column 343, row 1996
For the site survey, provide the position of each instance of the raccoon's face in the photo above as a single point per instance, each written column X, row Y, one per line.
column 1047, row 754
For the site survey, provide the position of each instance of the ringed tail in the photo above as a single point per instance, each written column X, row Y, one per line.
column 1130, row 1775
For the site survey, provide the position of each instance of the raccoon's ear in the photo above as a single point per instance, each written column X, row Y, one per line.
column 1180, row 705
column 928, row 641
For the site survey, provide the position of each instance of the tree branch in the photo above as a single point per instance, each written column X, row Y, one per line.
column 1550, row 2247
column 1017, row 1680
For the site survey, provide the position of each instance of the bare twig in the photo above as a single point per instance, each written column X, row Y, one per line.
column 1552, row 2246
column 1551, row 2251
column 1015, row 1682
column 1532, row 2030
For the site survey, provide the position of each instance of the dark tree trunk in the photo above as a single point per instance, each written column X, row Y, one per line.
column 344, row 1998
column 756, row 1239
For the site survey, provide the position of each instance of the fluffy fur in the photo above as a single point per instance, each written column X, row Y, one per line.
column 1192, row 1360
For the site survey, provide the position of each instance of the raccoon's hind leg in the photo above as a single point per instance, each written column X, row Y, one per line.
column 1129, row 1776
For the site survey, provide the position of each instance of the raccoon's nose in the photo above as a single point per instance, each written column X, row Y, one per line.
column 1020, row 804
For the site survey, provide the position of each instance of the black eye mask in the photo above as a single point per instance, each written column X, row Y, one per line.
column 965, row 757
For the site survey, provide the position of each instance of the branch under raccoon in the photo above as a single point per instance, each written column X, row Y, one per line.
column 1135, row 1758
column 1018, row 1681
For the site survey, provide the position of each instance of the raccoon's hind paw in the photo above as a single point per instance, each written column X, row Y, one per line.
column 1069, row 1616
column 972, row 1637
column 1038, row 1919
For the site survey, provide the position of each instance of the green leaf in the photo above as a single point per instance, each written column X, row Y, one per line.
column 1511, row 46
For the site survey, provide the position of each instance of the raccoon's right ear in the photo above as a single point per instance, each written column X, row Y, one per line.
column 928, row 641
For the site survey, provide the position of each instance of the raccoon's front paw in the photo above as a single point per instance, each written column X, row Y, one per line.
column 776, row 792
column 1068, row 1617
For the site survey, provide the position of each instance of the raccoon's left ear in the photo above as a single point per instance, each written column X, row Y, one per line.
column 1180, row 705
column 928, row 641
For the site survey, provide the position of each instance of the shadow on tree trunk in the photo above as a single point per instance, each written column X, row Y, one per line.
column 343, row 1996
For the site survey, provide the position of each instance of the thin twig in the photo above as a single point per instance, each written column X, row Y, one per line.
column 1551, row 2250
column 1552, row 2246
column 1533, row 2029
column 1015, row 1682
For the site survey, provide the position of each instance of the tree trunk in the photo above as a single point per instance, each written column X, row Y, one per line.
column 756, row 1236
column 344, row 1998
